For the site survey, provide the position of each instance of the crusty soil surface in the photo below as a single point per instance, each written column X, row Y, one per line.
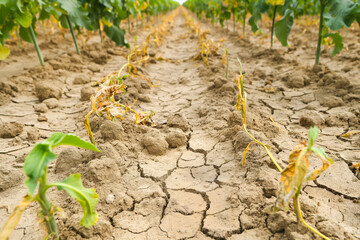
column 182, row 178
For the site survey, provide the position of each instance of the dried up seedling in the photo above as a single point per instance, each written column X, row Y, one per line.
column 241, row 106
column 208, row 47
column 103, row 101
column 296, row 174
column 36, row 169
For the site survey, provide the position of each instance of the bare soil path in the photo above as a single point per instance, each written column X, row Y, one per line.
column 182, row 178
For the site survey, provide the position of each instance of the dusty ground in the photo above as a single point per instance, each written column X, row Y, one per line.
column 182, row 178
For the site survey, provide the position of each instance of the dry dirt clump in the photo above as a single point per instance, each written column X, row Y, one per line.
column 48, row 89
column 155, row 143
column 10, row 129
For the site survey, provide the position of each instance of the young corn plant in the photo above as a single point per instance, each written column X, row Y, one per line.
column 297, row 173
column 241, row 106
column 36, row 169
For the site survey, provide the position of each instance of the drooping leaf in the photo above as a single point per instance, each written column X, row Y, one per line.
column 87, row 197
column 25, row 34
column 292, row 176
column 245, row 152
column 296, row 173
column 117, row 35
column 14, row 219
column 40, row 156
column 4, row 52
column 325, row 160
column 59, row 138
column 24, row 19
column 341, row 14
column 283, row 27
column 337, row 41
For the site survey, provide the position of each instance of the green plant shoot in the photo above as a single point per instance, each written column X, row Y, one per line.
column 36, row 169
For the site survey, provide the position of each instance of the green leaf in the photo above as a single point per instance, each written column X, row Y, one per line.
column 87, row 197
column 256, row 8
column 337, row 41
column 117, row 35
column 341, row 14
column 24, row 19
column 4, row 52
column 321, row 153
column 283, row 27
column 77, row 15
column 40, row 156
column 25, row 34
column 313, row 134
column 4, row 2
column 58, row 138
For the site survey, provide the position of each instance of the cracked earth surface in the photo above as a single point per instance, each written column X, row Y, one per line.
column 183, row 179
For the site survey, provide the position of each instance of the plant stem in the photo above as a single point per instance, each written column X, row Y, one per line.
column 18, row 37
column 233, row 21
column 73, row 35
column 298, row 210
column 244, row 19
column 33, row 37
column 318, row 49
column 129, row 23
column 46, row 206
column 100, row 33
column 273, row 26
column 227, row 63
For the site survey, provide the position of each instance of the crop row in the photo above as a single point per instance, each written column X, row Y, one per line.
column 21, row 16
column 334, row 15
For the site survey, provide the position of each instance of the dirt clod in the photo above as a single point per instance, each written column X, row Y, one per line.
column 176, row 139
column 81, row 79
column 178, row 121
column 9, row 176
column 41, row 107
column 48, row 89
column 51, row 103
column 86, row 93
column 155, row 143
column 67, row 159
column 295, row 80
column 112, row 130
column 10, row 129
column 311, row 118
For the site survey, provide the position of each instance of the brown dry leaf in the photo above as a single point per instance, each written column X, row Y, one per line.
column 14, row 219
column 292, row 176
column 349, row 134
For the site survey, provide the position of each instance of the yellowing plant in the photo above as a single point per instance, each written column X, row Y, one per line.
column 241, row 106
column 275, row 2
column 103, row 101
column 297, row 173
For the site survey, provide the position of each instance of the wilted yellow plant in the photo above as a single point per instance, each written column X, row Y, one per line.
column 103, row 101
column 241, row 106
column 296, row 173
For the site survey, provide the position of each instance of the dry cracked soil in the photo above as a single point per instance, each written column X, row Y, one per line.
column 182, row 178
